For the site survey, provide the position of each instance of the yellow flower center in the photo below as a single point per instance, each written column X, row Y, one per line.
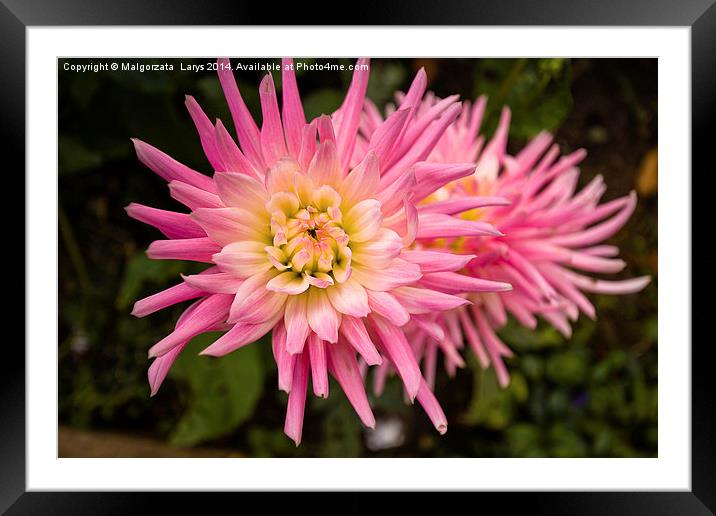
column 307, row 232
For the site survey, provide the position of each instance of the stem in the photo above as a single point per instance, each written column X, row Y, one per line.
column 77, row 261
column 509, row 82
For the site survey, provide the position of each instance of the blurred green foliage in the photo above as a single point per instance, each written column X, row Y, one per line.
column 222, row 392
column 594, row 395
column 536, row 90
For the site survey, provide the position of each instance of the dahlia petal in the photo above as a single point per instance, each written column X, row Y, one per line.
column 296, row 322
column 285, row 362
column 308, row 145
column 538, row 179
column 324, row 124
column 218, row 283
column 319, row 366
column 539, row 251
column 160, row 367
column 416, row 90
column 493, row 154
column 524, row 287
column 293, row 116
column 392, row 341
column 462, row 204
column 325, row 197
column 603, row 211
column 425, row 143
column 391, row 195
column 494, row 307
column 473, row 338
column 353, row 330
column 531, row 273
column 349, row 298
column 363, row 220
column 423, row 300
column 378, row 252
column 254, row 303
column 597, row 286
column 453, row 359
column 389, row 307
column 231, row 156
column 246, row 130
column 193, row 197
column 303, row 187
column 168, row 168
column 411, row 223
column 476, row 114
column 559, row 321
column 227, row 225
column 272, row 140
column 239, row 336
column 398, row 274
column 589, row 263
column 241, row 191
column 208, row 313
column 344, row 368
column 528, row 156
column 243, row 259
column 437, row 225
column 279, row 177
column 325, row 168
column 194, row 249
column 605, row 251
column 293, row 426
column 454, row 283
column 437, row 261
column 320, row 280
column 284, row 202
column 322, row 317
column 342, row 269
column 430, row 177
column 289, row 282
column 171, row 296
column 379, row 378
column 350, row 110
column 206, row 132
column 385, row 138
column 431, row 328
column 432, row 407
column 519, row 311
column 172, row 224
column 601, row 231
column 452, row 326
column 416, row 129
column 361, row 182
column 430, row 358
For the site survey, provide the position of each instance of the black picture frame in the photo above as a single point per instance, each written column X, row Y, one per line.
column 17, row 15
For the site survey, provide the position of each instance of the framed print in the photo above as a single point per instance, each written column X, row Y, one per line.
column 347, row 258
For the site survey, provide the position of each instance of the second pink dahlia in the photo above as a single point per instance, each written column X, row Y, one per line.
column 553, row 239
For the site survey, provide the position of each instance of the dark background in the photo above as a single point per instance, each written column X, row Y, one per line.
column 594, row 395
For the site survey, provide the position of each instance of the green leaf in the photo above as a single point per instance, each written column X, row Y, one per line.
column 322, row 101
column 223, row 392
column 75, row 157
column 492, row 406
column 386, row 79
column 341, row 427
column 567, row 368
column 536, row 90
column 141, row 270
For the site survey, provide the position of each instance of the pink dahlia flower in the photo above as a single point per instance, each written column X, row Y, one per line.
column 307, row 236
column 553, row 235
